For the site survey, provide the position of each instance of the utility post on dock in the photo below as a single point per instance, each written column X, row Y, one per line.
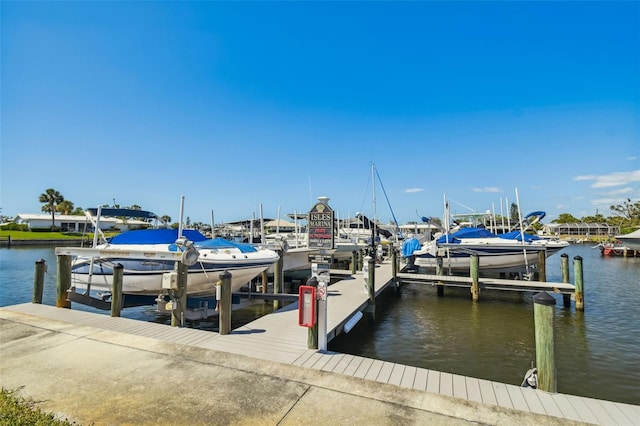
column 278, row 278
column 180, row 305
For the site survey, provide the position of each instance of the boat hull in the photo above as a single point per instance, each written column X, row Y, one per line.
column 458, row 256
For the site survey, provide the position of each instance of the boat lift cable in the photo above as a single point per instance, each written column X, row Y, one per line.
column 389, row 204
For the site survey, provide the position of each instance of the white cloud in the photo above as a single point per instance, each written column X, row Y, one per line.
column 412, row 190
column 488, row 189
column 621, row 191
column 631, row 158
column 612, row 179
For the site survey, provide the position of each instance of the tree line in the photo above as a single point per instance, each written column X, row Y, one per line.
column 625, row 215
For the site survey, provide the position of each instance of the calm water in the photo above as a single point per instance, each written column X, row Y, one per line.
column 598, row 351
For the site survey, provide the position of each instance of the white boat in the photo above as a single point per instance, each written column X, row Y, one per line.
column 495, row 252
column 210, row 257
column 630, row 241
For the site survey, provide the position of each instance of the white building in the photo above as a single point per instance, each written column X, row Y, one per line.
column 69, row 223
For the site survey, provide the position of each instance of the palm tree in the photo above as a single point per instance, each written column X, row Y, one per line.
column 65, row 207
column 51, row 197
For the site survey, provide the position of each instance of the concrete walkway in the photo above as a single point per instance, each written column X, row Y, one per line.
column 103, row 377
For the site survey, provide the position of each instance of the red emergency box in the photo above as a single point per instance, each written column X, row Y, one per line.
column 307, row 306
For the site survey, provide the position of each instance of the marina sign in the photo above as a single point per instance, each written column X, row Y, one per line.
column 320, row 225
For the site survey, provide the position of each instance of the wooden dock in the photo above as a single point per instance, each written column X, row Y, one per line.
column 277, row 337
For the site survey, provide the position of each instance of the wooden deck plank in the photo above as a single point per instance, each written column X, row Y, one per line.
column 446, row 384
column 363, row 368
column 343, row 363
column 420, row 382
column 408, row 377
column 549, row 403
column 396, row 374
column 502, row 395
column 459, row 386
column 531, row 397
column 333, row 361
column 567, row 408
column 374, row 370
column 582, row 409
column 353, row 366
column 385, row 372
column 473, row 389
column 630, row 412
column 487, row 392
column 433, row 381
column 602, row 414
column 517, row 398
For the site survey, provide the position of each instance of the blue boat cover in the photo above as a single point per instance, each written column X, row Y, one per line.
column 156, row 236
column 515, row 235
column 220, row 243
column 466, row 233
column 143, row 214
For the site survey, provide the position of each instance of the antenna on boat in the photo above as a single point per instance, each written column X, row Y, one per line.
column 181, row 215
column 524, row 250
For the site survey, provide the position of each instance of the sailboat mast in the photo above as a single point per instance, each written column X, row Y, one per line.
column 374, row 225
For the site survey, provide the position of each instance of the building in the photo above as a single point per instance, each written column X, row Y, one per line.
column 581, row 229
column 69, row 223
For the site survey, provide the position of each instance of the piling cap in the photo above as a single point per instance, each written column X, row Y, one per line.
column 544, row 298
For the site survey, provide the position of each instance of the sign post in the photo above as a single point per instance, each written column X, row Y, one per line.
column 321, row 236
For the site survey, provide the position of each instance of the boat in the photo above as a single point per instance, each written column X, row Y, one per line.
column 206, row 259
column 495, row 252
column 630, row 241
column 615, row 249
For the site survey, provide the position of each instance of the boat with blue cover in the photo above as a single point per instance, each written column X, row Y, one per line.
column 513, row 250
column 206, row 257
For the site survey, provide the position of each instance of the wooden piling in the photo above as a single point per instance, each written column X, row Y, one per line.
column 577, row 272
column 354, row 262
column 63, row 281
column 371, row 285
column 542, row 266
column 543, row 313
column 394, row 267
column 265, row 281
column 278, row 278
column 38, row 281
column 474, row 267
column 439, row 271
column 224, row 304
column 116, row 291
column 564, row 266
column 177, row 313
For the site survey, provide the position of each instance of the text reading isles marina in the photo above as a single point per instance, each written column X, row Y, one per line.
column 321, row 220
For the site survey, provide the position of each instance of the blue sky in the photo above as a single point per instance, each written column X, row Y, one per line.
column 237, row 105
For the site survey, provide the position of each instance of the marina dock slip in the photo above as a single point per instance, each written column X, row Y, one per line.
column 276, row 339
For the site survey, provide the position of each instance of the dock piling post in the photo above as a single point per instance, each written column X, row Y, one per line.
column 278, row 278
column 116, row 292
column 439, row 271
column 543, row 313
column 577, row 271
column 542, row 266
column 64, row 281
column 265, row 281
column 177, row 314
column 224, row 312
column 371, row 285
column 564, row 266
column 354, row 262
column 474, row 268
column 38, row 281
column 394, row 267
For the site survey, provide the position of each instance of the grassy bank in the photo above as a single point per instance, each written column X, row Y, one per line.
column 29, row 235
column 16, row 411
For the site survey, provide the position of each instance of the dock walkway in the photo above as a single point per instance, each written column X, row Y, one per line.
column 277, row 338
